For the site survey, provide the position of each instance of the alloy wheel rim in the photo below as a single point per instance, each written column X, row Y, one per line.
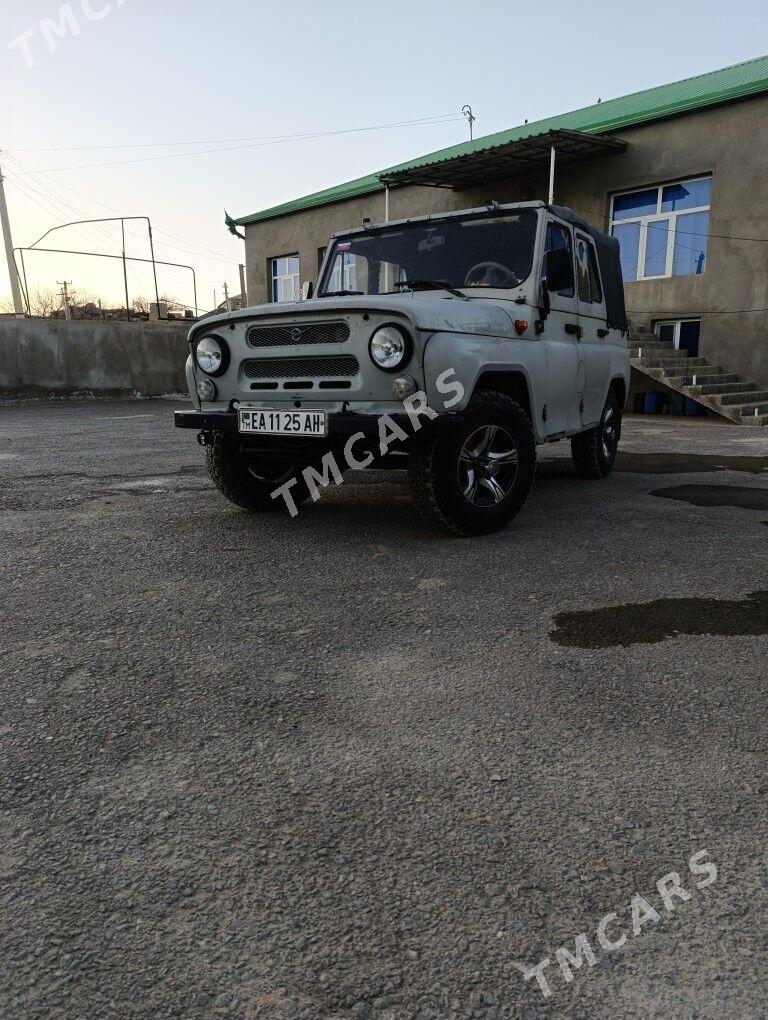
column 609, row 433
column 488, row 464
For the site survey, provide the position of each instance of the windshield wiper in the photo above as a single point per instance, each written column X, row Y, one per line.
column 342, row 293
column 431, row 285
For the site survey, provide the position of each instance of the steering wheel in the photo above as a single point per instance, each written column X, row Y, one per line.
column 490, row 274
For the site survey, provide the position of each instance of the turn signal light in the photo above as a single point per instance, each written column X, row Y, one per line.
column 521, row 326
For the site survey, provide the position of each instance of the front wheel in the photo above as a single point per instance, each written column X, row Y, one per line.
column 248, row 480
column 595, row 451
column 476, row 479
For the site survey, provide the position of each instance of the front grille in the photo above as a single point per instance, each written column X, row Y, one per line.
column 332, row 366
column 290, row 334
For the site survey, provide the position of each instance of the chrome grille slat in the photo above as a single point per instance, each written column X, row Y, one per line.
column 292, row 333
column 336, row 366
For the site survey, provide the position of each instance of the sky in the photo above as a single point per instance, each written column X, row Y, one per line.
column 115, row 81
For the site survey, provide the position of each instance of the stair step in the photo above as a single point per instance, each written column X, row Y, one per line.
column 747, row 410
column 649, row 351
column 720, row 376
column 714, row 389
column 747, row 397
column 761, row 419
column 679, row 360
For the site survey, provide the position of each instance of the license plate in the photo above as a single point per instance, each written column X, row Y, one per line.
column 282, row 423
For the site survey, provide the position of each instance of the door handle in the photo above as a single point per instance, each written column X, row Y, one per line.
column 574, row 329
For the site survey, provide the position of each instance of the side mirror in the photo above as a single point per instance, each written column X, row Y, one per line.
column 558, row 269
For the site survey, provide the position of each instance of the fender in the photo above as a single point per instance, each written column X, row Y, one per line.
column 471, row 356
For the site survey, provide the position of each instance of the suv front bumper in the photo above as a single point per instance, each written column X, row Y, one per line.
column 339, row 423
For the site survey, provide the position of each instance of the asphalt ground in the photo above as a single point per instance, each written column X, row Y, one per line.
column 345, row 766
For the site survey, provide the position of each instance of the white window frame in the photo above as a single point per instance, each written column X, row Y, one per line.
column 656, row 217
column 281, row 278
column 676, row 324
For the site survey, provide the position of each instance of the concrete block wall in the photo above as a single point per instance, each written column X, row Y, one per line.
column 54, row 358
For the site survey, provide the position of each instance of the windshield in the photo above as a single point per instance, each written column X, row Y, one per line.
column 477, row 252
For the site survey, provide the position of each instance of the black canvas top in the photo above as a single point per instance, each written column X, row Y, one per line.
column 607, row 249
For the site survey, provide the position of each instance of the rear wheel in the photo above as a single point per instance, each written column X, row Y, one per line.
column 595, row 451
column 249, row 481
column 478, row 478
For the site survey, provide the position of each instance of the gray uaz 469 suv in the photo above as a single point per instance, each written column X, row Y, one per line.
column 474, row 335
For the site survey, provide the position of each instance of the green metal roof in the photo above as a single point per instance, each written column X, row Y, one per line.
column 723, row 86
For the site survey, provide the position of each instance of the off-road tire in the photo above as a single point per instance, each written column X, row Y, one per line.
column 588, row 449
column 231, row 473
column 433, row 469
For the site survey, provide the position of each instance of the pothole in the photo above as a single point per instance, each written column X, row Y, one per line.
column 159, row 484
column 740, row 496
column 651, row 622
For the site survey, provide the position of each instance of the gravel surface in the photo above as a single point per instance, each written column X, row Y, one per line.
column 338, row 766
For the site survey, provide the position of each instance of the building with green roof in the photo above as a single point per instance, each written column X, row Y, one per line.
column 679, row 173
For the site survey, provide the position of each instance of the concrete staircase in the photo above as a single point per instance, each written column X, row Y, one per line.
column 711, row 386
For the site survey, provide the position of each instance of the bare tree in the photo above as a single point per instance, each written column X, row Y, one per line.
column 44, row 302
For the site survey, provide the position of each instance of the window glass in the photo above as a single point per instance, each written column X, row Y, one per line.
column 473, row 252
column 582, row 269
column 628, row 236
column 690, row 252
column 595, row 290
column 656, row 242
column 687, row 195
column 558, row 238
column 286, row 283
column 646, row 240
column 639, row 203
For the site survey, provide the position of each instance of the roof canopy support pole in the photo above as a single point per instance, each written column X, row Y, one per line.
column 552, row 175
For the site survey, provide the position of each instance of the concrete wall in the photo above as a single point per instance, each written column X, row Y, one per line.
column 730, row 141
column 51, row 357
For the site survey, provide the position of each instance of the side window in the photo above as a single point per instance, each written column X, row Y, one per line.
column 587, row 273
column 285, row 282
column 558, row 237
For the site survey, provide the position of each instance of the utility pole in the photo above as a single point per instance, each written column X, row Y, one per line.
column 241, row 268
column 65, row 296
column 467, row 111
column 226, row 297
column 18, row 306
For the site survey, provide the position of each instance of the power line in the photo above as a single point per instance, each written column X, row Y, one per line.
column 235, row 148
column 265, row 139
column 693, row 233
column 700, row 311
column 208, row 252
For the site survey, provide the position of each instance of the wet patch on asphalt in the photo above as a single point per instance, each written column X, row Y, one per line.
column 651, row 622
column 664, row 464
column 740, row 496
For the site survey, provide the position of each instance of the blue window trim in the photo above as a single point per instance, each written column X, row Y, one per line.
column 636, row 262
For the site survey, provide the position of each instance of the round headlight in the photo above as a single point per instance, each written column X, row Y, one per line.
column 212, row 355
column 403, row 387
column 206, row 390
column 390, row 347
